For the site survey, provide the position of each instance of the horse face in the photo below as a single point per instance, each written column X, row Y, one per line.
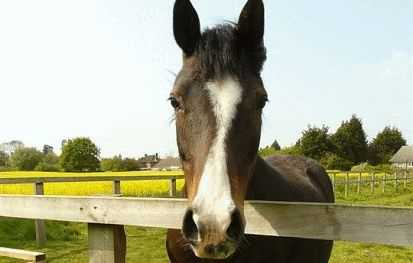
column 218, row 97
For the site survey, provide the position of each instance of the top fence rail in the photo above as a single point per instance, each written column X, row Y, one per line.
column 376, row 224
column 61, row 179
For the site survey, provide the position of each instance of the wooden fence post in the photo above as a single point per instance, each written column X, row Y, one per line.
column 395, row 181
column 40, row 225
column 116, row 187
column 346, row 185
column 172, row 187
column 405, row 179
column 107, row 243
column 358, row 183
column 372, row 182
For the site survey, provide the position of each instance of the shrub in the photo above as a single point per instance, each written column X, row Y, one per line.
column 382, row 168
column 130, row 164
column 111, row 164
column 50, row 158
column 117, row 164
column 47, row 167
column 7, row 169
column 267, row 151
column 332, row 161
column 293, row 149
column 365, row 167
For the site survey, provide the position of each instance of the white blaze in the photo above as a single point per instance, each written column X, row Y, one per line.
column 213, row 199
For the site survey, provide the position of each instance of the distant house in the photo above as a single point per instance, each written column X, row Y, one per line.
column 168, row 164
column 148, row 161
column 403, row 157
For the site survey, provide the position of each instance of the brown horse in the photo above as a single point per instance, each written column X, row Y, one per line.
column 218, row 97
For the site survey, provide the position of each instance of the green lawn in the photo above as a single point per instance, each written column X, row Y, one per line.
column 68, row 241
column 144, row 245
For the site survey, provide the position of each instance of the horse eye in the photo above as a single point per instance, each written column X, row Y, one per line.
column 261, row 103
column 174, row 103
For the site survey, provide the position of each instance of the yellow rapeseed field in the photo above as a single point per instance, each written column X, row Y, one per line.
column 128, row 188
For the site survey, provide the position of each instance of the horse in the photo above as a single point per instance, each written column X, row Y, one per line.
column 218, row 97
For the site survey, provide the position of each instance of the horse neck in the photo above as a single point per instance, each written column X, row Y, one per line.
column 262, row 182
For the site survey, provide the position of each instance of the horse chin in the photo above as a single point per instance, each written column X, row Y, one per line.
column 202, row 252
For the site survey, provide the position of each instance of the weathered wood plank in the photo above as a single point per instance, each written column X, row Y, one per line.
column 375, row 224
column 40, row 225
column 116, row 187
column 107, row 243
column 30, row 180
column 22, row 254
column 172, row 187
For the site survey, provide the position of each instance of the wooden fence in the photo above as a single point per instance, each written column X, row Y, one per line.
column 375, row 224
column 38, row 185
column 39, row 182
column 373, row 180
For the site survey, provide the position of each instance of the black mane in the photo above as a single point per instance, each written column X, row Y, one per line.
column 221, row 53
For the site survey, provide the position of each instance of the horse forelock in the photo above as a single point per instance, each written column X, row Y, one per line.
column 220, row 53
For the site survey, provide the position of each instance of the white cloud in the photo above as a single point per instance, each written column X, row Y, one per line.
column 397, row 67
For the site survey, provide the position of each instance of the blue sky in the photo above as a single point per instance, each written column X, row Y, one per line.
column 102, row 69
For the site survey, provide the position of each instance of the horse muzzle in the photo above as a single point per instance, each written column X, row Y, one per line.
column 211, row 236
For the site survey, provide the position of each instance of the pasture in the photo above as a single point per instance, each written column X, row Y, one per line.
column 68, row 241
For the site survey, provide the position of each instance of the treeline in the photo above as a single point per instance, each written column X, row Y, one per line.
column 77, row 155
column 347, row 147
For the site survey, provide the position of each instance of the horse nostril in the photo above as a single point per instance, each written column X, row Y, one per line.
column 189, row 228
column 235, row 231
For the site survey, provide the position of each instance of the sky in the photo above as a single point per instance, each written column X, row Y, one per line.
column 104, row 69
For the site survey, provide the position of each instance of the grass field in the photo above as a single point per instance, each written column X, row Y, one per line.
column 67, row 242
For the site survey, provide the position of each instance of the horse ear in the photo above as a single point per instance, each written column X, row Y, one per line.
column 251, row 24
column 186, row 26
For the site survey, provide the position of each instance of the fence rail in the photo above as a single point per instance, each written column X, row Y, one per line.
column 38, row 183
column 38, row 186
column 375, row 224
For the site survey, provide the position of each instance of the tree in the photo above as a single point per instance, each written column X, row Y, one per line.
column 315, row 142
column 117, row 164
column 11, row 146
column 111, row 164
column 80, row 154
column 63, row 143
column 267, row 151
column 130, row 164
column 385, row 145
column 293, row 149
column 332, row 161
column 25, row 159
column 372, row 154
column 50, row 158
column 4, row 157
column 49, row 163
column 275, row 145
column 350, row 141
column 47, row 149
